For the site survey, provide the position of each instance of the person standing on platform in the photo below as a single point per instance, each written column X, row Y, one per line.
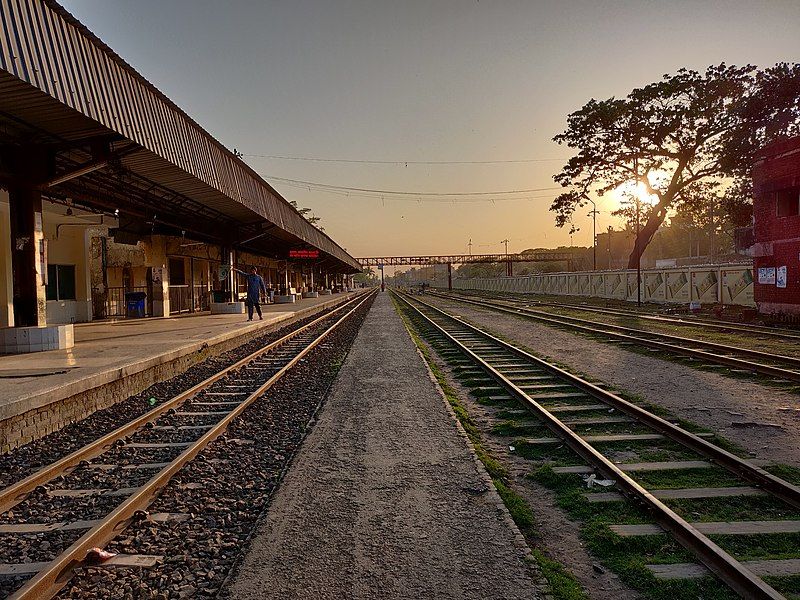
column 255, row 289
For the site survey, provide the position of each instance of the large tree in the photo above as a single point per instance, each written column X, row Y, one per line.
column 685, row 139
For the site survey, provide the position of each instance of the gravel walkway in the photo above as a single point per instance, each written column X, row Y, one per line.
column 385, row 499
column 710, row 399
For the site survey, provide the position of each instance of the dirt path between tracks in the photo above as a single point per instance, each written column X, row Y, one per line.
column 709, row 399
column 385, row 499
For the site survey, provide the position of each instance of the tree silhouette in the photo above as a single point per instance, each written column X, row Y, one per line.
column 312, row 218
column 685, row 139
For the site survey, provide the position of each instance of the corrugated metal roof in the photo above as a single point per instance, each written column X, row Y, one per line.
column 44, row 46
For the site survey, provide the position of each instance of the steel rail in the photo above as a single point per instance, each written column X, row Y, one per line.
column 49, row 581
column 664, row 336
column 588, row 327
column 731, row 571
column 19, row 491
column 788, row 492
column 687, row 322
column 684, row 322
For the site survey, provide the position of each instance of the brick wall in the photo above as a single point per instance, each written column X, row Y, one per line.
column 777, row 239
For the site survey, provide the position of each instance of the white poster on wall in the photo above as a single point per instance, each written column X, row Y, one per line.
column 766, row 275
column 780, row 277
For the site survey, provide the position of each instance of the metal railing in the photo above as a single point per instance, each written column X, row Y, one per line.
column 188, row 299
column 180, row 299
column 112, row 304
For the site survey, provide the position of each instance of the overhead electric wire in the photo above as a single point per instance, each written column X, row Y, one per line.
column 405, row 162
column 329, row 187
column 421, row 199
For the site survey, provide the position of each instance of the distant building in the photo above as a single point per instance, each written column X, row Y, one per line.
column 776, row 228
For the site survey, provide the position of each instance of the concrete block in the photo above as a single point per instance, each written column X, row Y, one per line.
column 310, row 295
column 20, row 340
column 285, row 299
column 324, row 292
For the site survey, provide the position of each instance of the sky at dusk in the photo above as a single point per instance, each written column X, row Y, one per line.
column 435, row 80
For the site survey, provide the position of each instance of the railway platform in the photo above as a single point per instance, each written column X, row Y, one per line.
column 113, row 360
column 385, row 498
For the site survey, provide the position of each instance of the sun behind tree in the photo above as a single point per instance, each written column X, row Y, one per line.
column 698, row 132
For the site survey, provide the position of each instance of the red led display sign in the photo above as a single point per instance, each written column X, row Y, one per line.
column 303, row 253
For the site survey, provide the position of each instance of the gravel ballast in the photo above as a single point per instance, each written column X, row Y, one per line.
column 24, row 460
column 223, row 492
column 386, row 499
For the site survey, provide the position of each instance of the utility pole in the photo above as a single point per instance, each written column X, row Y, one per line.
column 711, row 232
column 508, row 261
column 636, row 241
column 593, row 213
column 638, row 256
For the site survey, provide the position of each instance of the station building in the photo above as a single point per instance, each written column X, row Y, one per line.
column 107, row 188
column 776, row 228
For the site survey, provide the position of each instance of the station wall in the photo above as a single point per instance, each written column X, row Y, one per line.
column 68, row 247
column 728, row 284
column 67, row 257
column 89, row 273
column 776, row 228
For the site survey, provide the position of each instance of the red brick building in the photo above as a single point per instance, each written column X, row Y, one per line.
column 776, row 228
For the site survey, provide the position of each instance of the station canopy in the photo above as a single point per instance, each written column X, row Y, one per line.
column 113, row 142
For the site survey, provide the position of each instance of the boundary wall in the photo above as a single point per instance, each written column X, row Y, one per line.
column 707, row 284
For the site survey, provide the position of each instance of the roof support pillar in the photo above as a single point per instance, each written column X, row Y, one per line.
column 28, row 246
column 229, row 259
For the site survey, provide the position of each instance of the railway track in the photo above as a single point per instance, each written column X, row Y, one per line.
column 741, row 360
column 126, row 469
column 687, row 321
column 586, row 418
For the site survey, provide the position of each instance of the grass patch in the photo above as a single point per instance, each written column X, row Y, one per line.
column 735, row 508
column 755, row 547
column 562, row 583
column 673, row 479
column 628, row 557
column 514, row 428
column 516, row 505
column 789, row 473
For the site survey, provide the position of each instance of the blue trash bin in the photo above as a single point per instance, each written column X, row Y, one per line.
column 135, row 304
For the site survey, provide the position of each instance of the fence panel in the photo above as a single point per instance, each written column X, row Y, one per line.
column 731, row 284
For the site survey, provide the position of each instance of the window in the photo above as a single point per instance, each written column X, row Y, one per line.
column 60, row 282
column 788, row 202
column 177, row 271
